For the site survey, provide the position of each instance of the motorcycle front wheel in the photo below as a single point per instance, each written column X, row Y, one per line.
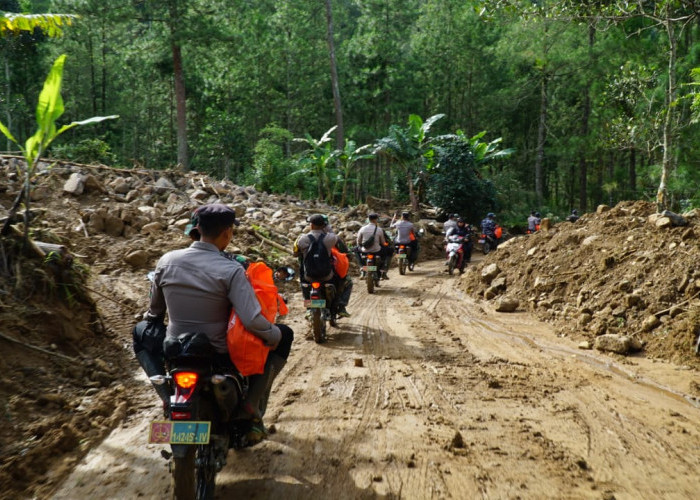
column 486, row 247
column 451, row 265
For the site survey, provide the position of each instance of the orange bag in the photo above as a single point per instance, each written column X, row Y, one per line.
column 341, row 264
column 498, row 232
column 246, row 350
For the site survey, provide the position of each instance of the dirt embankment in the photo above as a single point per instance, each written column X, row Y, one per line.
column 620, row 272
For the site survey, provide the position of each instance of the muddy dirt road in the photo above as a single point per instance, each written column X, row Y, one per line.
column 452, row 401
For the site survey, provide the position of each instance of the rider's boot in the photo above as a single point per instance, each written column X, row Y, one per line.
column 152, row 367
column 258, row 395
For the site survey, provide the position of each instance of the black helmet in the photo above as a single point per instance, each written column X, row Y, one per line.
column 317, row 220
column 460, row 220
column 373, row 216
column 574, row 212
column 537, row 214
column 455, row 216
column 491, row 215
column 405, row 215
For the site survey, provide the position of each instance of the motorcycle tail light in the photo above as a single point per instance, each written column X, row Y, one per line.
column 315, row 285
column 402, row 247
column 186, row 380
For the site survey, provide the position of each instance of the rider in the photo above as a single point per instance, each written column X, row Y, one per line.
column 450, row 222
column 371, row 240
column 406, row 235
column 344, row 282
column 465, row 231
column 488, row 227
column 574, row 216
column 532, row 223
column 198, row 286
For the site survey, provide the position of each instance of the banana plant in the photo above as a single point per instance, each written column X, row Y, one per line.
column 48, row 110
column 347, row 157
column 318, row 160
column 408, row 147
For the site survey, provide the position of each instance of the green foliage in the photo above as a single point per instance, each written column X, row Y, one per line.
column 271, row 167
column 86, row 151
column 455, row 182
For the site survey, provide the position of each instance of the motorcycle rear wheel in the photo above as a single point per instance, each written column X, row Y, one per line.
column 486, row 247
column 206, row 472
column 370, row 282
column 183, row 474
column 402, row 266
column 319, row 326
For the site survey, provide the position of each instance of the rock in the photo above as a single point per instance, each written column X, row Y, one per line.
column 137, row 258
column 152, row 227
column 163, row 185
column 585, row 345
column 532, row 251
column 489, row 272
column 120, row 185
column 93, row 184
column 688, row 234
column 75, row 184
column 584, row 319
column 601, row 209
column 590, row 239
column 620, row 344
column 113, row 226
column 663, row 222
column 507, row 304
column 650, row 323
column 676, row 220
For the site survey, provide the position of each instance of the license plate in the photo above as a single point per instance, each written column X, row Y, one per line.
column 315, row 304
column 402, row 256
column 481, row 241
column 170, row 432
column 369, row 268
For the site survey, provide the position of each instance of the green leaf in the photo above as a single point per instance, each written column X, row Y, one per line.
column 7, row 133
column 50, row 105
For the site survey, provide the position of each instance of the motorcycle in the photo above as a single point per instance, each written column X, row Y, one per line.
column 321, row 304
column 403, row 254
column 199, row 423
column 370, row 270
column 454, row 252
column 490, row 241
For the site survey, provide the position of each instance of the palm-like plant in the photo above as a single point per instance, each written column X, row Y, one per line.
column 347, row 157
column 408, row 147
column 318, row 160
column 48, row 110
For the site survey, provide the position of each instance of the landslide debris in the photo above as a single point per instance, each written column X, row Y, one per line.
column 622, row 279
column 67, row 366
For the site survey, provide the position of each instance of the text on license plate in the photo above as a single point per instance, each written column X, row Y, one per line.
column 369, row 268
column 481, row 241
column 315, row 303
column 169, row 432
column 402, row 256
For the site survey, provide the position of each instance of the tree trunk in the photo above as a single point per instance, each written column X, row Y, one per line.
column 633, row 173
column 541, row 137
column 339, row 132
column 667, row 161
column 180, row 98
column 411, row 192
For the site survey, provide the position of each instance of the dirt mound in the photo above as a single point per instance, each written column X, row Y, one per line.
column 621, row 279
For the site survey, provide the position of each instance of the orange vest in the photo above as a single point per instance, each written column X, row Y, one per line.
column 247, row 351
column 341, row 264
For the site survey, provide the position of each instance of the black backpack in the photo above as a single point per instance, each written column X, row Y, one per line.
column 317, row 263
